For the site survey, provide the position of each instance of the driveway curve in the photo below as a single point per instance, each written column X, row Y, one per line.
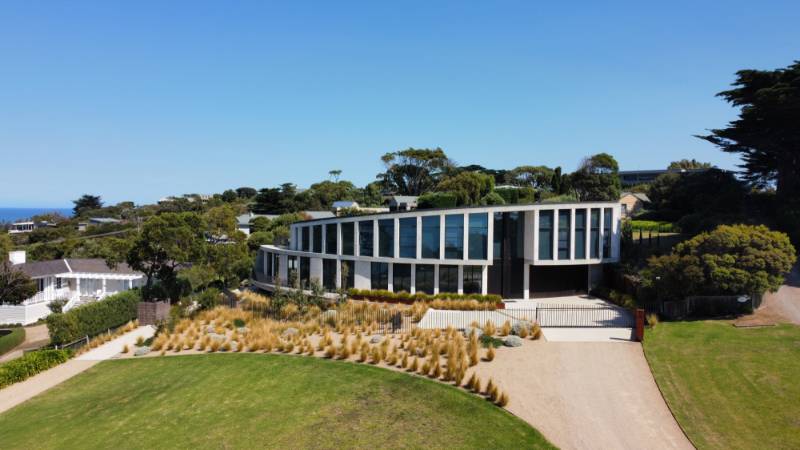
column 589, row 395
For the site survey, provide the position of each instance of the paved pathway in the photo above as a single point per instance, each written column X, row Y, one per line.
column 588, row 395
column 17, row 393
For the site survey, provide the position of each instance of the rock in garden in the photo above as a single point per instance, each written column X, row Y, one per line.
column 141, row 351
column 512, row 341
column 210, row 329
column 469, row 330
column 234, row 346
column 289, row 332
column 242, row 330
column 519, row 325
column 375, row 339
column 217, row 337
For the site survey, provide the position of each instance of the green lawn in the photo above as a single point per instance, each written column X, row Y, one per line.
column 730, row 387
column 10, row 340
column 255, row 401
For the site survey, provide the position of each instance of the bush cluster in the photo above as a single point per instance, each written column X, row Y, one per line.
column 654, row 225
column 30, row 364
column 93, row 318
column 405, row 297
column 11, row 340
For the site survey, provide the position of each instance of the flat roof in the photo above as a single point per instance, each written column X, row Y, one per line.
column 452, row 208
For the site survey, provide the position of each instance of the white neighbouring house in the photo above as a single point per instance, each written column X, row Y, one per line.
column 77, row 281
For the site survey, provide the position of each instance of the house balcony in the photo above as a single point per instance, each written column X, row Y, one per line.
column 51, row 294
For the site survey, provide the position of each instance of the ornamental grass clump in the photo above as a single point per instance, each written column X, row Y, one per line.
column 490, row 387
column 125, row 348
column 502, row 401
column 489, row 354
column 505, row 330
column 489, row 328
column 363, row 353
column 536, row 331
column 330, row 352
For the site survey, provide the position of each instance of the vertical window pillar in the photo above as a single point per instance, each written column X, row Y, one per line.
column 526, row 282
column 413, row 279
column 460, row 279
column 419, row 243
column 572, row 234
column 484, row 280
column 435, row 279
column 395, row 240
column 536, row 235
column 390, row 285
column 441, row 236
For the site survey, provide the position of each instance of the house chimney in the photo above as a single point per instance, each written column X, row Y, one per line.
column 17, row 257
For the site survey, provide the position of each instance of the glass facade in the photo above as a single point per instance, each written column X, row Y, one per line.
column 594, row 244
column 317, row 239
column 329, row 274
column 330, row 239
column 348, row 238
column 379, row 276
column 545, row 234
column 563, row 233
column 291, row 271
column 448, row 279
column 580, row 234
column 386, row 238
column 401, row 277
column 478, row 235
column 607, row 231
column 305, row 271
column 348, row 275
column 408, row 237
column 454, row 236
column 365, row 240
column 473, row 279
column 424, row 278
column 305, row 241
column 430, row 237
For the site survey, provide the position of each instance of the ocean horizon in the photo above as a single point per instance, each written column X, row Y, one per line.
column 16, row 214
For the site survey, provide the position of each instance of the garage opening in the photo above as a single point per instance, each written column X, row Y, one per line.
column 558, row 281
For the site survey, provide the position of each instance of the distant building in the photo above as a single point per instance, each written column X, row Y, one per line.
column 634, row 177
column 74, row 281
column 402, row 202
column 243, row 221
column 632, row 203
column 103, row 220
column 28, row 226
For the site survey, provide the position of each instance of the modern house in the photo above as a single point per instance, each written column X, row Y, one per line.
column 633, row 202
column 516, row 251
column 402, row 202
column 634, row 177
column 27, row 226
column 75, row 281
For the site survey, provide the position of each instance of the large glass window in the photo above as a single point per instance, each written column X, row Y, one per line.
column 594, row 244
column 408, row 237
column 473, row 279
column 348, row 238
column 317, row 239
column 305, row 271
column 478, row 235
column 329, row 274
column 430, row 237
column 386, row 238
column 379, row 275
column 306, row 239
column 330, row 239
column 448, row 279
column 348, row 275
column 424, row 278
column 454, row 236
column 607, row 232
column 545, row 234
column 563, row 233
column 580, row 234
column 293, row 276
column 268, row 265
column 401, row 277
column 365, row 239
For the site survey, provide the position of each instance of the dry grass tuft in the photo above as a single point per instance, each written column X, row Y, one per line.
column 489, row 354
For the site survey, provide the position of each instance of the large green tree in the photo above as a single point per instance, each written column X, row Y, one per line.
column 468, row 187
column 15, row 285
column 6, row 245
column 537, row 177
column 86, row 203
column 414, row 171
column 732, row 259
column 689, row 164
column 597, row 179
column 767, row 131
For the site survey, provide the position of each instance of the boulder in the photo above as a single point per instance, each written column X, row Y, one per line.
column 519, row 325
column 217, row 337
column 234, row 346
column 242, row 330
column 375, row 339
column 512, row 341
column 469, row 330
column 140, row 351
column 210, row 329
column 290, row 332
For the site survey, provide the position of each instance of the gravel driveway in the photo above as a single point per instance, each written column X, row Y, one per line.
column 588, row 395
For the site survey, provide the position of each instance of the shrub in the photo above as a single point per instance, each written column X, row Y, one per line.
column 30, row 364
column 436, row 200
column 490, row 354
column 93, row 318
column 652, row 320
column 503, row 400
column 11, row 340
column 490, row 341
column 238, row 323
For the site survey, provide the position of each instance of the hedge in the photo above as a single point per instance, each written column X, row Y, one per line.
column 30, row 364
column 93, row 318
column 436, row 200
column 405, row 297
column 653, row 225
column 11, row 340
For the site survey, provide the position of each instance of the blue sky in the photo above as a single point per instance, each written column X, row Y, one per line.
column 139, row 100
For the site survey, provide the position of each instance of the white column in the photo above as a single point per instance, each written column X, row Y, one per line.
column 526, row 281
column 396, row 238
column 602, row 232
column 390, row 286
column 419, row 237
column 490, row 238
column 339, row 274
column 324, row 242
column 465, row 239
column 555, row 234
column 460, row 279
column 485, row 280
column 441, row 236
column 375, row 241
column 572, row 234
column 536, row 235
column 435, row 279
column 357, row 239
column 413, row 279
column 588, row 242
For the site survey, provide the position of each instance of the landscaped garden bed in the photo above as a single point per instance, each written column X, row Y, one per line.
column 258, row 401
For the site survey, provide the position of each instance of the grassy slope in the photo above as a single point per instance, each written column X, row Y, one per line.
column 730, row 387
column 11, row 340
column 252, row 401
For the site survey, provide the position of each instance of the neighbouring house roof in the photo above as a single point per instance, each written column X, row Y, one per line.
column 319, row 214
column 103, row 220
column 639, row 195
column 408, row 199
column 344, row 204
column 40, row 269
column 244, row 219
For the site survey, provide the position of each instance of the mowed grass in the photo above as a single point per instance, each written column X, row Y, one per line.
column 730, row 387
column 257, row 401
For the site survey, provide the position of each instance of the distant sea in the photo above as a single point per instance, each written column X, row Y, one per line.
column 15, row 214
